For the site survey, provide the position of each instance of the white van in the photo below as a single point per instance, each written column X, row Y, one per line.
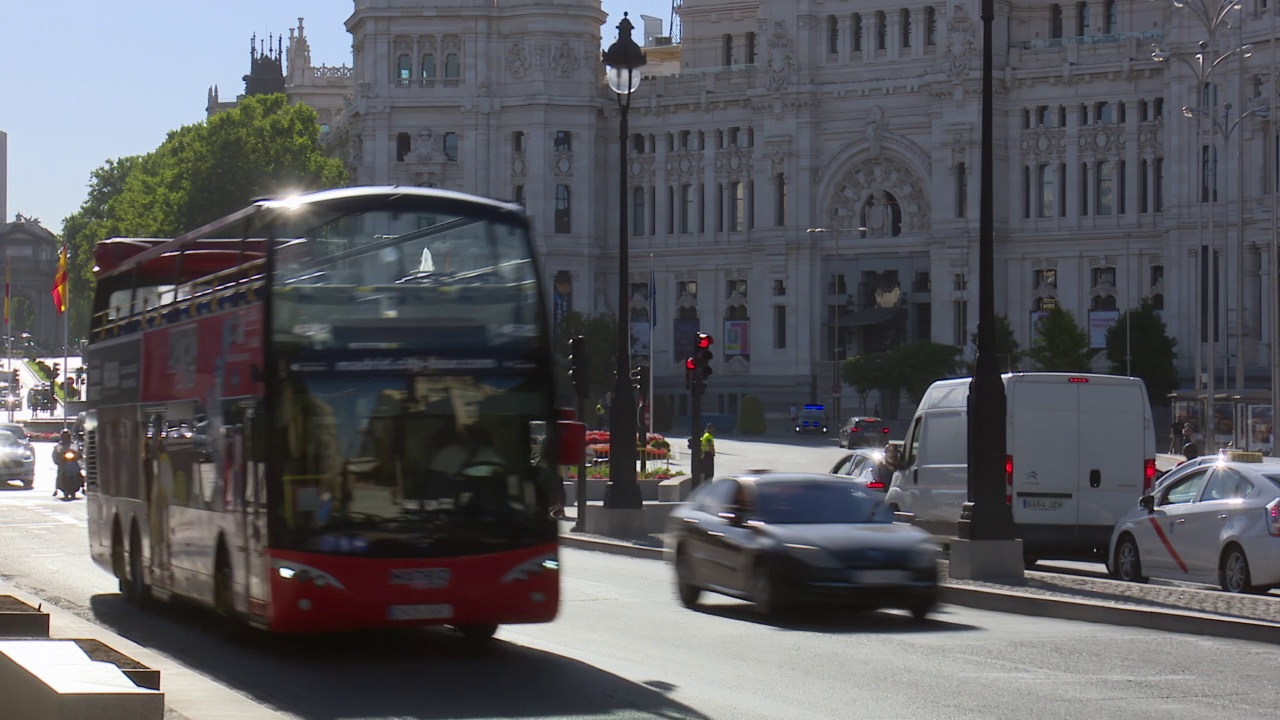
column 1080, row 450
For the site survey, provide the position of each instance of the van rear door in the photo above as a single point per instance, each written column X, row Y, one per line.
column 1044, row 444
column 1115, row 431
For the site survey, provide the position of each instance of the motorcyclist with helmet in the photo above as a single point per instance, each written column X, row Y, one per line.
column 66, row 458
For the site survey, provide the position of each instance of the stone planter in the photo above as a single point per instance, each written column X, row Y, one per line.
column 141, row 675
column 20, row 620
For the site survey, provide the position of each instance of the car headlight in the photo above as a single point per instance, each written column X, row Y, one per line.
column 812, row 555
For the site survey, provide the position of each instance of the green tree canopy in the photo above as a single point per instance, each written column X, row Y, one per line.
column 201, row 172
column 1153, row 354
column 1008, row 350
column 913, row 367
column 1060, row 345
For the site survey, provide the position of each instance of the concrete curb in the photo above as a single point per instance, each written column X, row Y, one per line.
column 1020, row 603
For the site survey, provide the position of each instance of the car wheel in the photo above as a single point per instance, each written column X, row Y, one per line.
column 1233, row 574
column 920, row 610
column 764, row 592
column 1128, row 563
column 688, row 592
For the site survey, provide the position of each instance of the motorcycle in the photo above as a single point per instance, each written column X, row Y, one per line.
column 70, row 476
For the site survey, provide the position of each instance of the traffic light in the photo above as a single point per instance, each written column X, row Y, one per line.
column 578, row 365
column 16, row 379
column 689, row 366
column 698, row 367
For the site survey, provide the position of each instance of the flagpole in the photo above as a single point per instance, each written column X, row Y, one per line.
column 66, row 339
column 8, row 337
column 653, row 317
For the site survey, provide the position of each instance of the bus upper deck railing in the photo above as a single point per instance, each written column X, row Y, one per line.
column 233, row 286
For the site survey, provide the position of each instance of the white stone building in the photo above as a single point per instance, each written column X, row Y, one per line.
column 804, row 173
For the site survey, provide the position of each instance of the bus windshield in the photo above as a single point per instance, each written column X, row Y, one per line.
column 390, row 279
column 405, row 466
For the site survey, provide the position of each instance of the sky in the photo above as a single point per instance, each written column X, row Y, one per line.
column 85, row 81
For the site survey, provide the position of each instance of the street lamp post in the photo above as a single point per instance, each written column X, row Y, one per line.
column 622, row 60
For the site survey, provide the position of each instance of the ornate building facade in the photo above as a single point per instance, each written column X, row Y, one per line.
column 804, row 173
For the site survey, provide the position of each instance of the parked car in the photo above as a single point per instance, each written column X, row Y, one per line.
column 18, row 432
column 780, row 540
column 17, row 461
column 1216, row 523
column 813, row 418
column 864, row 432
column 867, row 467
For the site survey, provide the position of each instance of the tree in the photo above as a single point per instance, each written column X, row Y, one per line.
column 602, row 342
column 916, row 365
column 866, row 373
column 751, row 416
column 201, row 172
column 1060, row 345
column 1152, row 350
column 1008, row 351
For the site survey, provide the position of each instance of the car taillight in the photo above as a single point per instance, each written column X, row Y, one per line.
column 875, row 485
column 1273, row 517
column 1008, row 480
column 884, row 430
column 1148, row 475
column 853, row 429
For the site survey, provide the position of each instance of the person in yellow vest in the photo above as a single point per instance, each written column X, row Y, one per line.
column 708, row 453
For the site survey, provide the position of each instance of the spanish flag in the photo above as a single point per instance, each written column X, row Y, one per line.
column 60, row 282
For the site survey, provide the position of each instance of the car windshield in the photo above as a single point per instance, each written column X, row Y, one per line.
column 787, row 503
column 9, row 442
column 14, row 430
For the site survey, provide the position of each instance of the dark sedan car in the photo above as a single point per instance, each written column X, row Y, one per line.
column 867, row 467
column 782, row 540
column 864, row 432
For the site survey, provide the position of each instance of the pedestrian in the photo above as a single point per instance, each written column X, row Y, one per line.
column 1188, row 432
column 1190, row 451
column 708, row 453
column 1175, row 434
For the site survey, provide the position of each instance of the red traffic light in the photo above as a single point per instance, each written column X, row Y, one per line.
column 705, row 340
column 689, row 364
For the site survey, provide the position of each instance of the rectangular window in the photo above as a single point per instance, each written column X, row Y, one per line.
column 959, row 322
column 1157, row 203
column 727, row 49
column 904, row 20
column 428, row 67
column 833, row 35
column 671, row 210
column 702, row 208
column 1082, row 19
column 751, row 48
column 1104, row 187
column 637, row 143
column 856, row 31
column 518, row 194
column 735, row 134
column 1102, row 113
column 1062, row 190
column 780, row 200
column 1048, row 190
column 719, row 207
column 1158, row 108
column 882, row 30
column 1055, row 21
column 779, row 327
column 404, row 70
column 1109, row 16
column 1084, row 189
column 962, row 190
column 1121, row 111
column 1026, row 192
column 1120, row 187
column 1062, row 116
column 517, row 141
column 686, row 208
column 653, row 210
column 452, row 67
column 671, row 143
column 402, row 146
column 779, row 288
column 637, row 211
column 1026, row 118
column 1045, row 278
column 1042, row 116
column 563, row 142
column 451, row 146
column 930, row 26
column 1084, row 115
column 750, row 207
column 563, row 209
column 1143, row 187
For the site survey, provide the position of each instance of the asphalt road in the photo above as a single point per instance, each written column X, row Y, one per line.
column 623, row 648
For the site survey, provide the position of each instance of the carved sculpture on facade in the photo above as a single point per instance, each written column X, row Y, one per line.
column 564, row 59
column 518, row 59
column 960, row 42
column 866, row 196
column 873, row 130
column 781, row 60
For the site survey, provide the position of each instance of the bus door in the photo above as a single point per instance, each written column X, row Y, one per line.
column 251, row 462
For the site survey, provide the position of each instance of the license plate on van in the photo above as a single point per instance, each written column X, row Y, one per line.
column 1041, row 504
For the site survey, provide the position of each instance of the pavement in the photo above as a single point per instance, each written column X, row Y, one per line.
column 1083, row 597
column 188, row 695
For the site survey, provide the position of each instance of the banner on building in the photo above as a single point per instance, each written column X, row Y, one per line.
column 1100, row 321
column 737, row 338
column 561, row 301
column 641, row 336
column 1036, row 317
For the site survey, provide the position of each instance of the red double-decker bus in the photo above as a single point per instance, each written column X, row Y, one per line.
column 328, row 412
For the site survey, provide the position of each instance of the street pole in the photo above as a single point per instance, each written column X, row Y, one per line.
column 1240, row 277
column 1274, row 263
column 623, row 59
column 986, row 516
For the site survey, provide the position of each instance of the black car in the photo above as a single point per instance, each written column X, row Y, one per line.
column 812, row 419
column 782, row 540
column 867, row 467
column 864, row 432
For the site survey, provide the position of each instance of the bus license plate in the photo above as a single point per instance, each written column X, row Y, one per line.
column 1041, row 504
column 880, row 577
column 438, row 611
column 422, row 577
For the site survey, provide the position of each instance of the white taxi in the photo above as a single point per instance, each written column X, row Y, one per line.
column 1216, row 523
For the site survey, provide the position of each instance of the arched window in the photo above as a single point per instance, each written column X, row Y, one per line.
column 429, row 66
column 451, row 146
column 404, row 68
column 563, row 208
column 452, row 67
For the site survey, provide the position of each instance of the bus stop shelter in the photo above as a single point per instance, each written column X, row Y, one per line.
column 1242, row 419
